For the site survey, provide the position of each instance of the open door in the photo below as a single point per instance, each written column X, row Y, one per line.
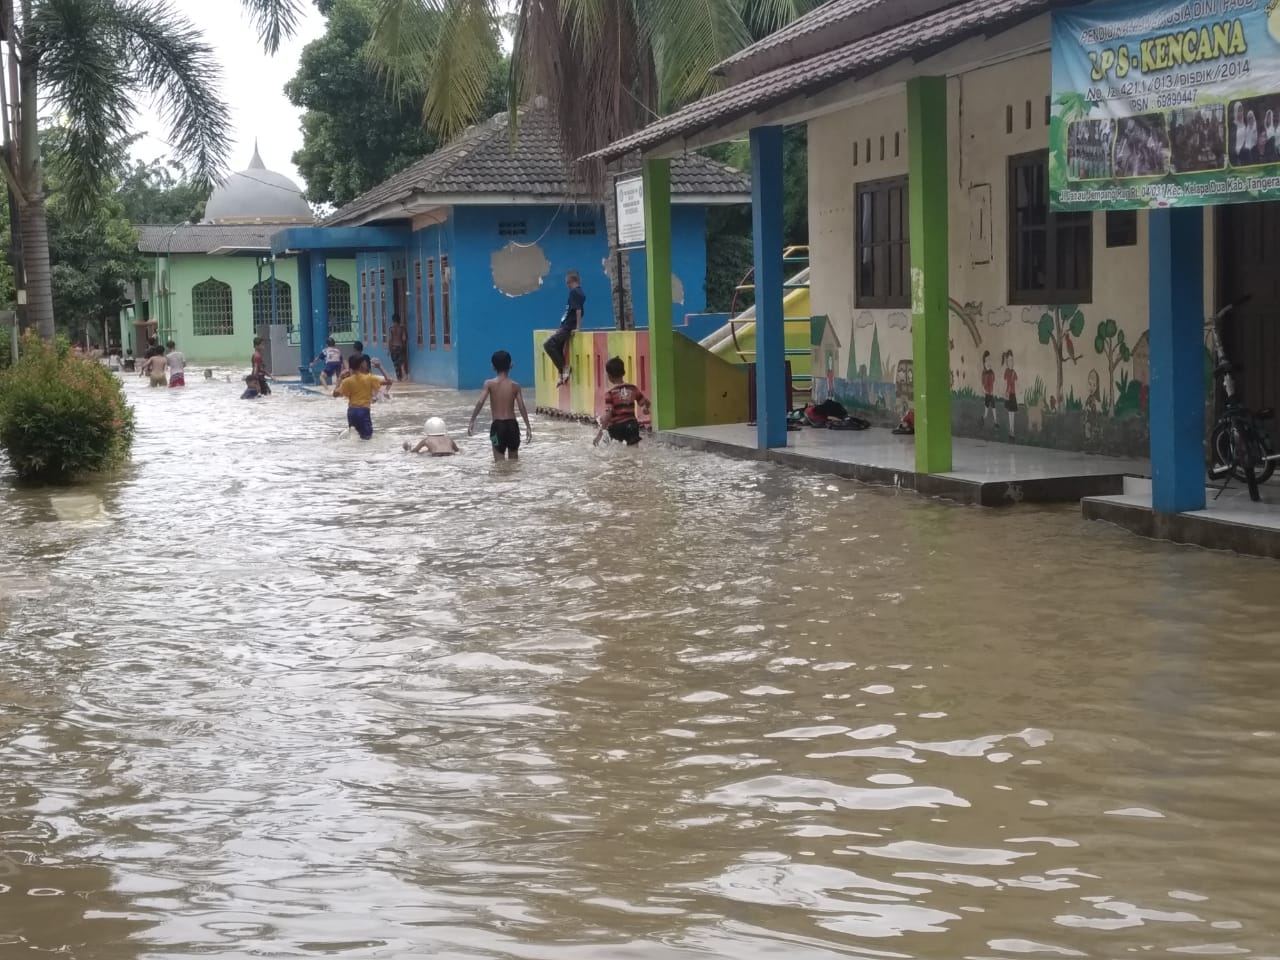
column 1248, row 241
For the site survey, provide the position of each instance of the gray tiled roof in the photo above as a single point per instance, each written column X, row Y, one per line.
column 916, row 38
column 485, row 159
column 823, row 18
column 203, row 237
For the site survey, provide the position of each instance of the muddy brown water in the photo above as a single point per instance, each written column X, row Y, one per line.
column 270, row 693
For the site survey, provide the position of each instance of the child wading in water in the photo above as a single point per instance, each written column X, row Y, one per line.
column 504, row 397
column 619, row 417
column 359, row 388
column 332, row 358
column 437, row 442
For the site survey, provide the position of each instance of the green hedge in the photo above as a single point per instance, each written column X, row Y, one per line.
column 62, row 416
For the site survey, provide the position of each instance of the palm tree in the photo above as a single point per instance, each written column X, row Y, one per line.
column 608, row 66
column 90, row 60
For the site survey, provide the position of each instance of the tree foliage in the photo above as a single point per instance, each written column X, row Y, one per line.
column 159, row 193
column 347, row 151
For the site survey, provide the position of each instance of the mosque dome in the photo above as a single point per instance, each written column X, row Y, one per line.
column 257, row 195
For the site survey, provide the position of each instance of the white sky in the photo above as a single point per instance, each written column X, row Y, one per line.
column 252, row 85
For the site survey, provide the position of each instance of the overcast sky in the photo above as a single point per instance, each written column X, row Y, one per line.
column 253, row 86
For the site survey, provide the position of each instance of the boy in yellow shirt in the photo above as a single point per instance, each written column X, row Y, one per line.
column 359, row 388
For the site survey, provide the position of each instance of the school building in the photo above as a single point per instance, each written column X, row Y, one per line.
column 953, row 285
column 471, row 245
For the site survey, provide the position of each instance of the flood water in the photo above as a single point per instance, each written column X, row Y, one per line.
column 273, row 693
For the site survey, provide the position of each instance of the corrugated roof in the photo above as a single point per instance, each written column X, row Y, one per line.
column 204, row 237
column 860, row 58
column 485, row 159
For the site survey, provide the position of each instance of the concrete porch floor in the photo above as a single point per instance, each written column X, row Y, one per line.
column 985, row 472
column 1231, row 522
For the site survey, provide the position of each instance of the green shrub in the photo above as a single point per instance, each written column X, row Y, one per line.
column 61, row 415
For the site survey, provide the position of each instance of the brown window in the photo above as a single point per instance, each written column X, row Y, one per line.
column 431, row 303
column 364, row 305
column 1050, row 254
column 417, row 298
column 446, row 320
column 382, row 304
column 1122, row 228
column 883, row 246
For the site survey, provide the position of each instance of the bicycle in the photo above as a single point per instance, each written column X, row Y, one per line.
column 1240, row 447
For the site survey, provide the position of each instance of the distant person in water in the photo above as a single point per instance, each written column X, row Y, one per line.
column 353, row 361
column 177, row 364
column 359, row 388
column 250, row 388
column 398, row 344
column 619, row 419
column 504, row 398
column 332, row 358
column 260, row 371
column 153, row 367
column 437, row 442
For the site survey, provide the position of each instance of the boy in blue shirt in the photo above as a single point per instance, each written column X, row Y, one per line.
column 557, row 345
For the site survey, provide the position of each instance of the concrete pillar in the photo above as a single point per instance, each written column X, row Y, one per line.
column 930, row 321
column 657, row 231
column 319, row 301
column 306, row 333
column 771, row 341
column 1176, row 396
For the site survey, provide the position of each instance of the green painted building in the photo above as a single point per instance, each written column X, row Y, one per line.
column 209, row 287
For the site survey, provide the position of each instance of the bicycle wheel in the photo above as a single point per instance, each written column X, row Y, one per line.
column 1223, row 454
column 1244, row 456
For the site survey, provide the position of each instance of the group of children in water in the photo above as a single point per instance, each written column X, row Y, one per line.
column 355, row 381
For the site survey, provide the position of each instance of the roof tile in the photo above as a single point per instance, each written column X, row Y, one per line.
column 204, row 237
column 860, row 58
column 486, row 159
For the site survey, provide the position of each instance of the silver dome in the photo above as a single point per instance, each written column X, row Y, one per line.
column 257, row 195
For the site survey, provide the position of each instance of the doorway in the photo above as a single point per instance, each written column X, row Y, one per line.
column 1248, row 241
column 400, row 299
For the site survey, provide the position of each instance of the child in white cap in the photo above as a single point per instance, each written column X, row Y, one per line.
column 437, row 442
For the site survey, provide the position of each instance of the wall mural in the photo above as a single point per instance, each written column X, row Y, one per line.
column 1018, row 375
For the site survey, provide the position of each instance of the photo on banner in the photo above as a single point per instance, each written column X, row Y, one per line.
column 1165, row 104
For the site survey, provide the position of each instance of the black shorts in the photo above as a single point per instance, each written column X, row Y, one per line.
column 991, row 401
column 1011, row 403
column 627, row 432
column 505, row 435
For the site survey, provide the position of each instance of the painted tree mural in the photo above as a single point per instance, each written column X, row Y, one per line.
column 1056, row 330
column 1110, row 342
column 876, row 371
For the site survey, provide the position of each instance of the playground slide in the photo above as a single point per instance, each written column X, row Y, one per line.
column 796, row 311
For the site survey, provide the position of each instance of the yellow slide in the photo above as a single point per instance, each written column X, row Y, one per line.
column 736, row 340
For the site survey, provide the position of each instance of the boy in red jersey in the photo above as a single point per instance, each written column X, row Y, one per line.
column 620, row 406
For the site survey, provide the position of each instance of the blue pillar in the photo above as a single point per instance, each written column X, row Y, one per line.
column 771, row 341
column 319, row 299
column 306, row 332
column 1176, row 397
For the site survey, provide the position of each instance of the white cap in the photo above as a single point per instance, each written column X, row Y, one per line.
column 436, row 427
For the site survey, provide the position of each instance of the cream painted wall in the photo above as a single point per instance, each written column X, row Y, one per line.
column 980, row 145
column 878, row 125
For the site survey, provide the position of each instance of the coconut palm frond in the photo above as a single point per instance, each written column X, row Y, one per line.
column 87, row 83
column 689, row 38
column 462, row 66
column 274, row 19
column 171, row 60
column 763, row 17
column 443, row 51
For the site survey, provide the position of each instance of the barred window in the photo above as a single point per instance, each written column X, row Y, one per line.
column 1050, row 254
column 212, row 314
column 339, row 300
column 260, row 293
column 582, row 228
column 512, row 228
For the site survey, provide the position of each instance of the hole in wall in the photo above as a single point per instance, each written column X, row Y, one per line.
column 518, row 269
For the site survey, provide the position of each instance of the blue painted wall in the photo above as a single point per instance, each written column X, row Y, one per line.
column 688, row 262
column 483, row 318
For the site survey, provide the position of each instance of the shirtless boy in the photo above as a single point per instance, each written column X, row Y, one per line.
column 504, row 398
column 154, row 368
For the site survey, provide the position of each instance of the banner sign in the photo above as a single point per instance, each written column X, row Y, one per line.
column 630, row 193
column 1165, row 103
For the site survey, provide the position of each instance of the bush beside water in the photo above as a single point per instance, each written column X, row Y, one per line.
column 62, row 415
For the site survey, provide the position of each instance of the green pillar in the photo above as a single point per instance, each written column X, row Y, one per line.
column 930, row 321
column 662, row 347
